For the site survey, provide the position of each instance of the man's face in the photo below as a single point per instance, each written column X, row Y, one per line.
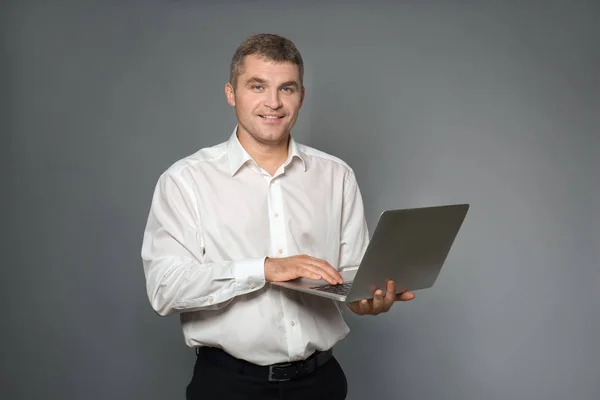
column 267, row 99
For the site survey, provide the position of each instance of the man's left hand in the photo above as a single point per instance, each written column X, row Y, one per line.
column 379, row 303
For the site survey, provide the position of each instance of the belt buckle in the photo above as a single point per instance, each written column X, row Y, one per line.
column 274, row 367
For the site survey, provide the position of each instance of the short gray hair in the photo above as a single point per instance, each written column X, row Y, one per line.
column 265, row 45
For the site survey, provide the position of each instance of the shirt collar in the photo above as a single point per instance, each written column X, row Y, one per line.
column 238, row 156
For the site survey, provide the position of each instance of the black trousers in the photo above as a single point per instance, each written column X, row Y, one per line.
column 212, row 381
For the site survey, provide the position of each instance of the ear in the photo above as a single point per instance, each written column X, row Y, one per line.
column 230, row 94
column 302, row 93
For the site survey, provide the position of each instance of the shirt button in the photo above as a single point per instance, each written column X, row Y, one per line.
column 293, row 323
column 280, row 251
column 252, row 285
column 211, row 300
column 276, row 215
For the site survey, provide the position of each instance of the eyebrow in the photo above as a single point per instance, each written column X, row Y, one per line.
column 256, row 79
column 290, row 83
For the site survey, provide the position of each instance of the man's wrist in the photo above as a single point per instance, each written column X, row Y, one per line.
column 269, row 268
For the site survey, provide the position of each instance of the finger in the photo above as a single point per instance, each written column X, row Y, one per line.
column 405, row 296
column 325, row 269
column 364, row 306
column 332, row 271
column 307, row 273
column 378, row 303
column 320, row 272
column 355, row 307
column 390, row 295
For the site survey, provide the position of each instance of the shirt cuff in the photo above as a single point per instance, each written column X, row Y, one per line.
column 249, row 275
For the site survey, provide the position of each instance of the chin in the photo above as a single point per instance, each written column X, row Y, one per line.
column 267, row 134
column 273, row 136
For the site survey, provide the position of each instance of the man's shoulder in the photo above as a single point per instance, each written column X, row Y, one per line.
column 315, row 153
column 202, row 156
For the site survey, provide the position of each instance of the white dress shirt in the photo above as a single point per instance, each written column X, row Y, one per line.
column 215, row 216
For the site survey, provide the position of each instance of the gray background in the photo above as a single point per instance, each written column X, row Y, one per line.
column 431, row 102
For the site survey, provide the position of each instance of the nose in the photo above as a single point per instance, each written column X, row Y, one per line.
column 273, row 99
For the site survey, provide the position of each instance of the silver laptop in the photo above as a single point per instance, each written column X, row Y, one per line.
column 408, row 246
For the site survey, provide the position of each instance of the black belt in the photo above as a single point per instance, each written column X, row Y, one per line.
column 275, row 372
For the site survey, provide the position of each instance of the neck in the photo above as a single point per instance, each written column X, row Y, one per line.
column 268, row 155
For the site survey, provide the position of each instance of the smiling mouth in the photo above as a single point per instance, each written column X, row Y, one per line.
column 271, row 116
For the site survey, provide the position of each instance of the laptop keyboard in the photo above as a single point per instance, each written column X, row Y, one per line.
column 342, row 289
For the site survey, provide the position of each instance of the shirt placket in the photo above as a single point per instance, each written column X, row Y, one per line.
column 279, row 248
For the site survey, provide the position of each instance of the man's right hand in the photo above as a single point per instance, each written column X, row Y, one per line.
column 302, row 266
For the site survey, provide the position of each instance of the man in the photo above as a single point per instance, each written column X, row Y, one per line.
column 229, row 219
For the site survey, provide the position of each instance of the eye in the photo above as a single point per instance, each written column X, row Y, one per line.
column 257, row 87
column 287, row 89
